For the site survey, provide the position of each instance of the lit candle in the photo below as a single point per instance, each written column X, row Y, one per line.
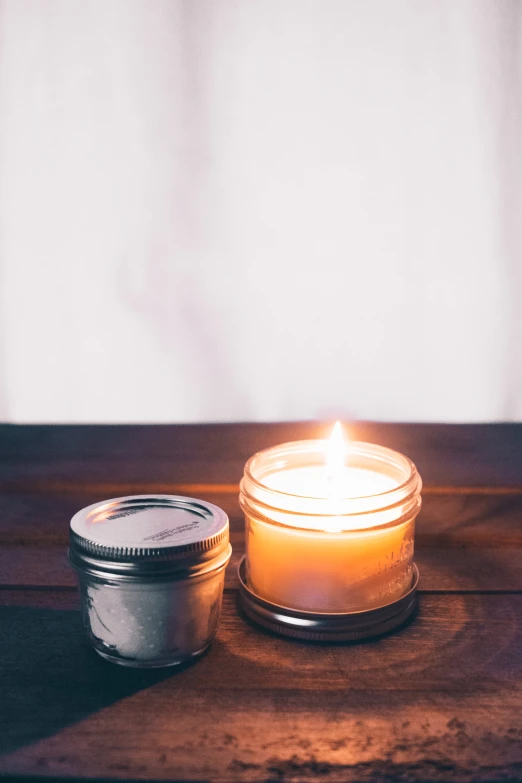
column 330, row 524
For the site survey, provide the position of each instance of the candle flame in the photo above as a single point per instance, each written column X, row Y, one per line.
column 334, row 466
column 335, row 454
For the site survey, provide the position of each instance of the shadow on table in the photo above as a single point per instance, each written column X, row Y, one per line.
column 50, row 677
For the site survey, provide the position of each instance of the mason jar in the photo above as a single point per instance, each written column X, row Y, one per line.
column 150, row 570
column 347, row 552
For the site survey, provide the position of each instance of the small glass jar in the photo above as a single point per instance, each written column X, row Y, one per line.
column 342, row 553
column 151, row 572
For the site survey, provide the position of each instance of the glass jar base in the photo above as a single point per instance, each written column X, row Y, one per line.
column 327, row 627
column 135, row 663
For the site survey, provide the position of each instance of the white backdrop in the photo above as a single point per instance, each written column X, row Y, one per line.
column 260, row 209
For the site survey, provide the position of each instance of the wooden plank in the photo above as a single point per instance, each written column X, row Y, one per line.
column 438, row 701
column 450, row 569
column 59, row 455
column 470, row 517
column 47, row 566
column 34, row 517
column 464, row 541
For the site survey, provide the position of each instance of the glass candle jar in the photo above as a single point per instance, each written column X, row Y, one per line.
column 151, row 574
column 323, row 541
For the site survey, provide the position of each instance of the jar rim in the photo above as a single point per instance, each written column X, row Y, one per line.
column 405, row 494
column 369, row 449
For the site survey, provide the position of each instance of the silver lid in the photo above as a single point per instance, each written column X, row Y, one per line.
column 149, row 534
column 326, row 627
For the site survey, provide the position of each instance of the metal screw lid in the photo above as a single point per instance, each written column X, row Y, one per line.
column 326, row 627
column 148, row 533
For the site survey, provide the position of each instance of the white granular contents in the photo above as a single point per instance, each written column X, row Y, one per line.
column 152, row 621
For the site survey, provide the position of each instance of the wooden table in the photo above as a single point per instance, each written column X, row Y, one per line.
column 439, row 701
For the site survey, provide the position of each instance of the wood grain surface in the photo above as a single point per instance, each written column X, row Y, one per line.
column 439, row 701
